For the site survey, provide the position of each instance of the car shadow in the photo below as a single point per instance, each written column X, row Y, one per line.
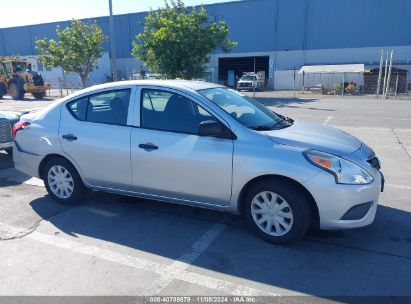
column 292, row 102
column 324, row 264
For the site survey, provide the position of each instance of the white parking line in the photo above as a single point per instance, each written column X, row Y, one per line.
column 104, row 254
column 386, row 147
column 222, row 285
column 327, row 120
column 167, row 273
column 369, row 128
column 354, row 117
column 183, row 262
column 399, row 186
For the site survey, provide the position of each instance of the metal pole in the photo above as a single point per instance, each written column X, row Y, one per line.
column 396, row 86
column 254, row 77
column 112, row 43
column 389, row 75
column 303, row 86
column 294, row 81
column 343, row 85
column 385, row 76
column 380, row 73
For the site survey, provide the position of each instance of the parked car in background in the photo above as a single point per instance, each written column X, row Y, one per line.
column 7, row 120
column 251, row 81
column 203, row 145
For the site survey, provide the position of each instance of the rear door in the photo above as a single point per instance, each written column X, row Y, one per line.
column 95, row 133
column 170, row 159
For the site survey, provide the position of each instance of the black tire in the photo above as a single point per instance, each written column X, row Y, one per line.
column 15, row 92
column 297, row 200
column 77, row 195
column 39, row 95
column 3, row 90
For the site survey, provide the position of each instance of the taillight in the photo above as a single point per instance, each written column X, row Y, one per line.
column 21, row 125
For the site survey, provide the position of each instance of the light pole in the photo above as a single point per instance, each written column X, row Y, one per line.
column 112, row 42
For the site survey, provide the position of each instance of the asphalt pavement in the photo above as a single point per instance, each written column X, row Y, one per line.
column 114, row 245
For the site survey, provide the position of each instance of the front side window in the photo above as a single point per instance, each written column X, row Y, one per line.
column 246, row 110
column 167, row 111
column 19, row 67
column 108, row 107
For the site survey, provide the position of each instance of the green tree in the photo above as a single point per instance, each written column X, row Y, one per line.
column 78, row 49
column 177, row 41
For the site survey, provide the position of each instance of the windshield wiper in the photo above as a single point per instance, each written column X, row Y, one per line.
column 261, row 128
column 281, row 123
column 284, row 118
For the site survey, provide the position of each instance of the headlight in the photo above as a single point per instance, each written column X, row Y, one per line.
column 345, row 171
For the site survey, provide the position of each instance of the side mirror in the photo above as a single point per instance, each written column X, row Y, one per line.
column 210, row 128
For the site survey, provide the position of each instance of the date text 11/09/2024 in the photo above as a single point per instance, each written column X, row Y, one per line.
column 202, row 299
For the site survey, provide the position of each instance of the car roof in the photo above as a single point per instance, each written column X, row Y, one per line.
column 172, row 84
column 175, row 84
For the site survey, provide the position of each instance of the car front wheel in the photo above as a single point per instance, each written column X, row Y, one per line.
column 277, row 211
column 62, row 182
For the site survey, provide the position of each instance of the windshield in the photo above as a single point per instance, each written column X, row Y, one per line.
column 19, row 67
column 248, row 78
column 246, row 110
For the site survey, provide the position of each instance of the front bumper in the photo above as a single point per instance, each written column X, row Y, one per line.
column 6, row 145
column 244, row 86
column 31, row 88
column 335, row 200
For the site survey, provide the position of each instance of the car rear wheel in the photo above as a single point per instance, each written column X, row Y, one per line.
column 62, row 182
column 277, row 211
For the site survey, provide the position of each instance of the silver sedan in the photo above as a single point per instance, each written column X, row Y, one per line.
column 203, row 145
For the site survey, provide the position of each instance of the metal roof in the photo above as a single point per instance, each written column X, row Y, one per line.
column 328, row 69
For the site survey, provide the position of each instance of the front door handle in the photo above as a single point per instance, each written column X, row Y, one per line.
column 69, row 137
column 148, row 146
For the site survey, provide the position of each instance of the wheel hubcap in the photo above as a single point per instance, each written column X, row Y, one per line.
column 60, row 181
column 271, row 213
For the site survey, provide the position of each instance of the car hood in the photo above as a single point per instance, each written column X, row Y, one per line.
column 318, row 137
column 13, row 117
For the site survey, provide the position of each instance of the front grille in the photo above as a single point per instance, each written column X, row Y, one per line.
column 5, row 131
column 244, row 84
column 374, row 162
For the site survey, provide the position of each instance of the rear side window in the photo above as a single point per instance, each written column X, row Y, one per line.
column 79, row 108
column 108, row 107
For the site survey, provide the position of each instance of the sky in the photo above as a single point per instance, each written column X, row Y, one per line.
column 44, row 11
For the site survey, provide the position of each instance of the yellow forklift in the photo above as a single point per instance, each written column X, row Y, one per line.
column 17, row 79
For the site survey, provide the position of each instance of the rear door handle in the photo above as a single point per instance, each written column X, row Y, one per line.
column 69, row 137
column 148, row 146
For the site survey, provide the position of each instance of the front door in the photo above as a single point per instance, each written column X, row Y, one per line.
column 168, row 158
